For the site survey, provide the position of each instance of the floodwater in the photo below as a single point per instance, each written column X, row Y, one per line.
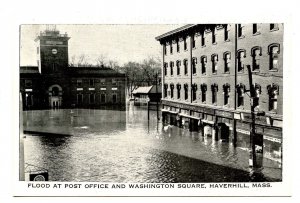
column 123, row 146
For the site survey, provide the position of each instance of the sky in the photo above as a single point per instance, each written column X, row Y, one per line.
column 121, row 43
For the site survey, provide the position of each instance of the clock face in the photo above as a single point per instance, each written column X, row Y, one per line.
column 54, row 51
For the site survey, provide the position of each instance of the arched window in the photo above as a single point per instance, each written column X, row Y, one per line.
column 194, row 91
column 241, row 54
column 186, row 91
column 226, row 32
column 178, row 64
column 203, row 64
column 171, row 47
column 55, row 91
column 240, row 88
column 214, row 60
column 274, row 50
column 171, row 68
column 257, row 89
column 226, row 92
column 172, row 90
column 273, row 91
column 178, row 90
column 165, row 90
column 214, row 90
column 203, row 92
column 185, row 64
column 227, row 59
column 166, row 68
column 194, row 62
column 256, row 53
column 213, row 34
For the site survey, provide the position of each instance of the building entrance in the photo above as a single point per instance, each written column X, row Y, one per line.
column 55, row 96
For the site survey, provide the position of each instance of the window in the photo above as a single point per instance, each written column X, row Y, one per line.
column 172, row 90
column 178, row 45
column 92, row 98
column 226, row 32
column 226, row 91
column 185, row 64
column 194, row 91
column 165, row 49
column 227, row 58
column 171, row 48
column 274, row 56
column 92, row 82
column 165, row 90
column 213, row 34
column 202, row 39
column 184, row 44
column 240, row 30
column 171, row 68
column 240, row 60
column 257, row 89
column 194, row 62
column 186, row 91
column 203, row 92
column 166, row 68
column 102, row 81
column 256, row 53
column 113, row 81
column 55, row 91
column 79, row 99
column 29, row 99
column 79, row 82
column 114, row 98
column 214, row 59
column 240, row 95
column 256, row 28
column 193, row 41
column 273, row 91
column 203, row 64
column 214, row 90
column 274, row 26
column 103, row 98
column 178, row 63
column 178, row 90
column 28, row 83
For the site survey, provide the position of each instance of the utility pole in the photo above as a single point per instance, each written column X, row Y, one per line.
column 156, row 75
column 252, row 159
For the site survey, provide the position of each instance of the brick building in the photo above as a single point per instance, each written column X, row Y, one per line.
column 206, row 82
column 54, row 84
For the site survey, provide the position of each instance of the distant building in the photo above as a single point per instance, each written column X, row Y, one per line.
column 149, row 94
column 205, row 80
column 53, row 84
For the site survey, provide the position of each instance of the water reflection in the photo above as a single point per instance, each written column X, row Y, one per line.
column 124, row 146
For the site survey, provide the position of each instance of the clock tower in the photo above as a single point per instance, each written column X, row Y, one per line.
column 52, row 51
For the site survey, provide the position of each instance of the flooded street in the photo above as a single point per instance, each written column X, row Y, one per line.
column 123, row 146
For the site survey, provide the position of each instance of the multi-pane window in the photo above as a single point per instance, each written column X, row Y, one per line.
column 273, row 91
column 213, row 34
column 256, row 53
column 171, row 68
column 203, row 64
column 184, row 44
column 240, row 95
column 194, row 92
column 214, row 60
column 274, row 57
column 79, row 82
column 214, row 91
column 227, row 58
column 166, row 68
column 203, row 92
column 172, row 90
column 178, row 90
column 226, row 91
column 240, row 60
column 165, row 90
column 194, row 62
column 226, row 33
column 274, row 26
column 240, row 30
column 178, row 63
column 185, row 64
column 186, row 91
column 178, row 45
column 202, row 39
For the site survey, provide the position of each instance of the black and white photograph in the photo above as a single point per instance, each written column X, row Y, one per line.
column 187, row 103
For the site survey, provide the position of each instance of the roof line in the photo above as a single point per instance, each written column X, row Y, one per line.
column 175, row 31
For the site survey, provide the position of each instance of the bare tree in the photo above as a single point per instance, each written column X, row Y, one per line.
column 101, row 60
